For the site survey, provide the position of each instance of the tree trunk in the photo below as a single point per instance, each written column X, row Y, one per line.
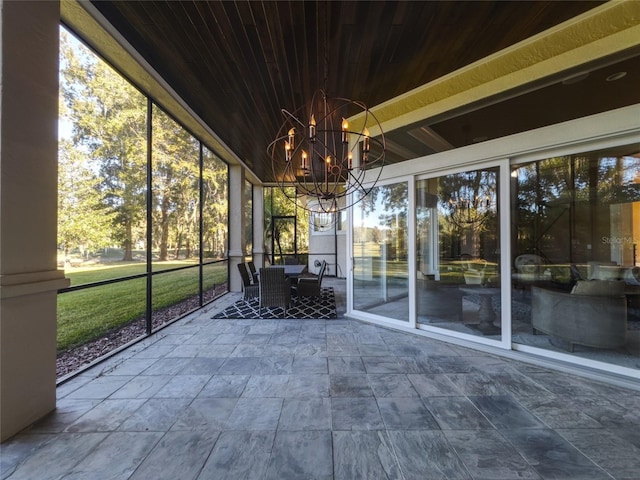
column 164, row 232
column 128, row 242
column 178, row 245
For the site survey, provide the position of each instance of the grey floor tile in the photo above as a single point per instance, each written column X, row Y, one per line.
column 369, row 336
column 427, row 455
column 630, row 434
column 269, row 398
column 363, row 456
column 297, row 455
column 256, row 339
column 309, row 364
column 262, row 328
column 356, row 385
column 17, row 449
column 67, row 411
column 344, row 365
column 343, row 350
column 248, row 350
column 334, row 339
column 155, row 415
column 116, row 457
column 559, row 412
column 155, row 351
column 239, row 366
column 266, row 386
column 358, row 413
column 224, row 386
column 274, row 365
column 405, row 349
column 373, row 350
column 618, row 457
column 453, row 364
column 240, row 455
column 57, row 458
column 205, row 414
column 391, row 385
column 305, row 414
column 552, row 456
column 183, row 386
column 515, row 383
column 608, row 413
column 505, row 412
column 478, row 384
column 178, row 455
column 433, row 385
column 563, row 384
column 106, row 416
column 175, row 338
column 308, row 385
column 278, row 350
column 228, row 339
column 488, row 455
column 131, row 366
column 310, row 349
column 142, row 386
column 456, row 413
column 255, row 414
column 166, row 366
column 64, row 389
column 101, row 387
column 406, row 414
column 186, row 350
column 418, row 364
column 202, row 366
column 382, row 365
column 216, row 351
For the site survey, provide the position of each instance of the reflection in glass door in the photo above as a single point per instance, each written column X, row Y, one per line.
column 457, row 242
column 380, row 255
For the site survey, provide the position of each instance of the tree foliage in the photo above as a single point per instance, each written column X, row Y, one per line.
column 103, row 168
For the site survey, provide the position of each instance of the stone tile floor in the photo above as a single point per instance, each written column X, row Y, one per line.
column 324, row 399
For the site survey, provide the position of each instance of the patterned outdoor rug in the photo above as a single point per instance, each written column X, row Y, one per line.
column 322, row 307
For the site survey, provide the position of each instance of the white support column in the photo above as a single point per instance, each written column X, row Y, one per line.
column 258, row 225
column 236, row 225
column 29, row 278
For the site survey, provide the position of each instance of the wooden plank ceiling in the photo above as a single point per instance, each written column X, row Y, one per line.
column 238, row 63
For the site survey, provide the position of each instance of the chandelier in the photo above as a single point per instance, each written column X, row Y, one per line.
column 319, row 153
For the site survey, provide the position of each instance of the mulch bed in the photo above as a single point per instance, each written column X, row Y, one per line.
column 74, row 359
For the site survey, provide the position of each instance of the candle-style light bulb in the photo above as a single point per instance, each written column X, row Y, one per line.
column 292, row 137
column 365, row 149
column 287, row 151
column 305, row 161
column 345, row 131
column 312, row 129
column 350, row 161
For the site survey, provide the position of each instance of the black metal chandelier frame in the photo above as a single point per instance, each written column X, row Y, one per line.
column 314, row 151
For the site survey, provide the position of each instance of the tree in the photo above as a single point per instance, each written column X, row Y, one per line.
column 109, row 126
column 83, row 218
column 215, row 204
column 175, row 184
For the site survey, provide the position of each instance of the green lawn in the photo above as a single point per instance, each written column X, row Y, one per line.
column 88, row 314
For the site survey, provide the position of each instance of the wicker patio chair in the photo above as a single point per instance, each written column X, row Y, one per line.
column 250, row 290
column 252, row 270
column 275, row 290
column 311, row 286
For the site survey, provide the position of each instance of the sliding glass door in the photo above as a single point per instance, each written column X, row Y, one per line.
column 457, row 252
column 380, row 252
